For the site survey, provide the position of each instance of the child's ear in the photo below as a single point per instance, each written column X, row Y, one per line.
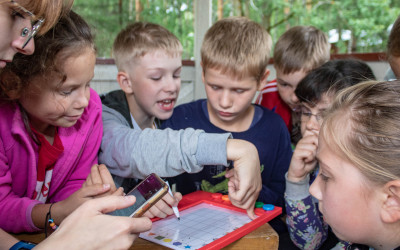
column 202, row 72
column 391, row 207
column 263, row 80
column 124, row 82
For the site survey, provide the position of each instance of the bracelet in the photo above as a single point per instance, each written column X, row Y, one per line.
column 50, row 221
column 20, row 245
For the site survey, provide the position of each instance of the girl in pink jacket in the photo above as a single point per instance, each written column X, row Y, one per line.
column 50, row 129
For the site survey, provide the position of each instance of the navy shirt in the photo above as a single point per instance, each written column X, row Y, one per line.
column 268, row 133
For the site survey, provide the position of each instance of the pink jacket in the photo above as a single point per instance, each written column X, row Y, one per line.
column 18, row 161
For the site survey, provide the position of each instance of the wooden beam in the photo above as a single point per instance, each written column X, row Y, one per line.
column 202, row 21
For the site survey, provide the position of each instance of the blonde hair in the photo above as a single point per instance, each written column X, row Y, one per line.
column 50, row 10
column 301, row 48
column 140, row 38
column 237, row 46
column 363, row 125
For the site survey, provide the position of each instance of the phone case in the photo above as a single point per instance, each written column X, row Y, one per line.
column 153, row 200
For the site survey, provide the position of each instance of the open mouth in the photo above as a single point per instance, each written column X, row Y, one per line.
column 167, row 104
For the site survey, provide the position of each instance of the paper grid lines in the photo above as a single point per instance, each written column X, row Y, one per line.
column 199, row 226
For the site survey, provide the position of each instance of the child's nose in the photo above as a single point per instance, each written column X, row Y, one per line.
column 294, row 98
column 312, row 123
column 315, row 188
column 172, row 85
column 225, row 100
column 83, row 98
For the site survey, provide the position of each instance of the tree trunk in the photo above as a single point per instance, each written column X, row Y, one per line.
column 220, row 10
column 138, row 10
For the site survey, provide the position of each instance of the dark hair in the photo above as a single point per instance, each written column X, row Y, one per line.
column 68, row 38
column 332, row 76
column 393, row 45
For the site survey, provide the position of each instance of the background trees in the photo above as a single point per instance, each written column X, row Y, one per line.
column 352, row 25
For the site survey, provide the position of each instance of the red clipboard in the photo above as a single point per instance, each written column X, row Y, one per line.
column 200, row 197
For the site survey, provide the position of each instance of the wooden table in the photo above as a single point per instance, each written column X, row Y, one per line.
column 263, row 237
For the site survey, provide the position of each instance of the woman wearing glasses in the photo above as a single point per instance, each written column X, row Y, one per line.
column 20, row 21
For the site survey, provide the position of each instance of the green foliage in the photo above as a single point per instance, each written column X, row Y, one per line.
column 368, row 20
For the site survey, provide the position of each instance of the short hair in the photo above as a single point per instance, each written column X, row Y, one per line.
column 50, row 10
column 140, row 38
column 68, row 38
column 393, row 45
column 331, row 77
column 362, row 125
column 237, row 46
column 301, row 48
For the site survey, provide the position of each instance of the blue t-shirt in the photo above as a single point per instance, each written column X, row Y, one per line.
column 268, row 133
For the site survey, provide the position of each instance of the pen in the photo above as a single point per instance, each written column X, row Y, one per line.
column 176, row 211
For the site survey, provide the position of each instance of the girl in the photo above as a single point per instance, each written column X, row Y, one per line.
column 358, row 185
column 315, row 92
column 51, row 129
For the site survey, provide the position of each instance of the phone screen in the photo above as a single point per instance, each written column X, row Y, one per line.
column 143, row 192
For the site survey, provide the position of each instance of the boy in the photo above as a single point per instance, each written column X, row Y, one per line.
column 234, row 58
column 299, row 50
column 148, row 60
column 315, row 92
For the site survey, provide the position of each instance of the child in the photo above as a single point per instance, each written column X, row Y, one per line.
column 234, row 58
column 315, row 92
column 358, row 185
column 148, row 58
column 51, row 129
column 299, row 50
column 393, row 51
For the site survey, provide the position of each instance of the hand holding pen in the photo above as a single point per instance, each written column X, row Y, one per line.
column 176, row 211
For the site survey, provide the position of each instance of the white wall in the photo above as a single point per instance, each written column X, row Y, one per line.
column 105, row 79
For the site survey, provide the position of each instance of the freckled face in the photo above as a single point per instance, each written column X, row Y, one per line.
column 348, row 206
column 61, row 105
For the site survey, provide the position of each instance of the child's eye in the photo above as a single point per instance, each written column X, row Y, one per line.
column 155, row 78
column 324, row 177
column 177, row 76
column 215, row 87
column 66, row 93
column 239, row 91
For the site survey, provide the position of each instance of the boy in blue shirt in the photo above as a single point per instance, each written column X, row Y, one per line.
column 234, row 54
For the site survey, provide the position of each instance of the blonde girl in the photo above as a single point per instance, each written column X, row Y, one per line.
column 358, row 186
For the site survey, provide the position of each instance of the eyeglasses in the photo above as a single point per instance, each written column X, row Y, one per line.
column 306, row 114
column 36, row 22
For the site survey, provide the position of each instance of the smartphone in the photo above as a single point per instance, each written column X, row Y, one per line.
column 147, row 193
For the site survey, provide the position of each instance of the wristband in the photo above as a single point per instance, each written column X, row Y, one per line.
column 49, row 221
column 21, row 245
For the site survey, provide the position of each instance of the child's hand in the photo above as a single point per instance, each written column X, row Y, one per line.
column 163, row 207
column 303, row 159
column 99, row 174
column 245, row 186
column 62, row 209
column 90, row 228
